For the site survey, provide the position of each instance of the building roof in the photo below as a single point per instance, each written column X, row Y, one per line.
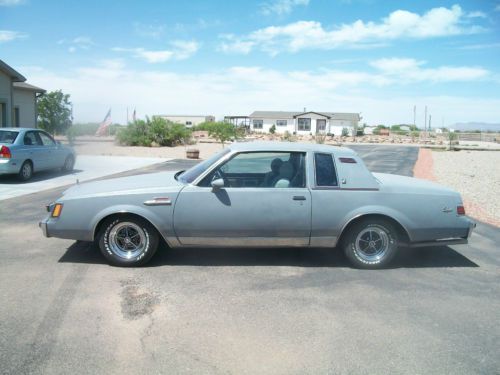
column 27, row 86
column 290, row 115
column 11, row 72
column 289, row 147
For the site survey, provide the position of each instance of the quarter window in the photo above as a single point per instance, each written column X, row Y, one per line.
column 325, row 170
column 304, row 124
column 258, row 124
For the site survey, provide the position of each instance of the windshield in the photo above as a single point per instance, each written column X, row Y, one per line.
column 8, row 136
column 192, row 173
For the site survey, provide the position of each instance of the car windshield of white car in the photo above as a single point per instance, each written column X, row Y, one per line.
column 192, row 173
column 8, row 136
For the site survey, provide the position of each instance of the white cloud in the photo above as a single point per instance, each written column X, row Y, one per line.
column 400, row 24
column 8, row 3
column 410, row 70
column 9, row 35
column 497, row 8
column 240, row 90
column 180, row 50
column 281, row 7
column 78, row 43
column 149, row 30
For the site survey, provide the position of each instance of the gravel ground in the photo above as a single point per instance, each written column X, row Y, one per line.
column 476, row 175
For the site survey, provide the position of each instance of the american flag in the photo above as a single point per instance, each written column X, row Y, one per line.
column 134, row 119
column 104, row 125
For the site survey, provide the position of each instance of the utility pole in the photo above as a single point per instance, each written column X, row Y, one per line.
column 425, row 122
column 415, row 115
column 430, row 118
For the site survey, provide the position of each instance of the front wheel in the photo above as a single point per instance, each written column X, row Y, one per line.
column 69, row 164
column 128, row 241
column 371, row 244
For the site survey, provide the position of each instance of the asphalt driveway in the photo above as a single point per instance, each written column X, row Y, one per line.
column 64, row 310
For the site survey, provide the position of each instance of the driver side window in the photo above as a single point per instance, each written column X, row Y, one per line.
column 261, row 169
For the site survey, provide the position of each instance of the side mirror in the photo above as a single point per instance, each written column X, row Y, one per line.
column 217, row 184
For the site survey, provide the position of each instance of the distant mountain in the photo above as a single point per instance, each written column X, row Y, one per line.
column 469, row 126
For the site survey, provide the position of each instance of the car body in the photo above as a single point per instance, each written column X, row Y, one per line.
column 24, row 151
column 314, row 196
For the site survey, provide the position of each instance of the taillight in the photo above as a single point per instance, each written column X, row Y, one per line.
column 460, row 210
column 5, row 152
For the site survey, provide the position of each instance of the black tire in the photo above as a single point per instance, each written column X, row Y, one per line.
column 69, row 164
column 371, row 243
column 26, row 171
column 118, row 237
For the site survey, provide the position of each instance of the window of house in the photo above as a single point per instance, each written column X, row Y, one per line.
column 325, row 170
column 281, row 122
column 189, row 123
column 304, row 124
column 258, row 124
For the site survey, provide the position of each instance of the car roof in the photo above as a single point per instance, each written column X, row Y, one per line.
column 289, row 146
column 20, row 129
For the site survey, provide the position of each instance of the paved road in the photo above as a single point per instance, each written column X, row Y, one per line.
column 87, row 167
column 64, row 310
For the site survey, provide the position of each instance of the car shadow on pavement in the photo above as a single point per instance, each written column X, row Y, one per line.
column 442, row 256
column 37, row 177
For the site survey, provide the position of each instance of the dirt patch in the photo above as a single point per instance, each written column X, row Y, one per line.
column 425, row 168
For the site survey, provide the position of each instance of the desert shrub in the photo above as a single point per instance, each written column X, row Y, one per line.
column 288, row 137
column 345, row 132
column 157, row 130
column 320, row 138
column 223, row 131
column 272, row 129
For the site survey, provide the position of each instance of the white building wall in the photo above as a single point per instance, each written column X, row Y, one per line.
column 188, row 120
column 5, row 99
column 26, row 101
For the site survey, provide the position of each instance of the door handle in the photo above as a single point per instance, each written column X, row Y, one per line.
column 299, row 198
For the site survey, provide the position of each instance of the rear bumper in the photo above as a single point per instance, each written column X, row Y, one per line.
column 9, row 166
column 448, row 241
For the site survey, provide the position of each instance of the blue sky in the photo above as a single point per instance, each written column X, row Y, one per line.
column 233, row 57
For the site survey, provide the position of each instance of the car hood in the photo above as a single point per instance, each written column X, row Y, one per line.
column 392, row 182
column 137, row 184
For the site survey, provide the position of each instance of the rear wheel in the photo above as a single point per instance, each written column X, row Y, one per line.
column 128, row 241
column 371, row 243
column 69, row 163
column 26, row 171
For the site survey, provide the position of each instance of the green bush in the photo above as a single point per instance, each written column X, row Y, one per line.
column 156, row 130
column 272, row 129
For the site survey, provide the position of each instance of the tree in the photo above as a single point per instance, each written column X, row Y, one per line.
column 222, row 131
column 54, row 112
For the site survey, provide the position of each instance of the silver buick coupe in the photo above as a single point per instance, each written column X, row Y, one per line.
column 262, row 195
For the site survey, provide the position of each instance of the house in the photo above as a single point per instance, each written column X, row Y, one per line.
column 306, row 122
column 188, row 120
column 17, row 99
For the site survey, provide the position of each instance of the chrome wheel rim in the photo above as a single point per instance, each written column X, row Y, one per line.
column 127, row 240
column 26, row 170
column 372, row 244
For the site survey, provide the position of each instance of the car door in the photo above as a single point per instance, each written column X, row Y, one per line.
column 33, row 149
column 51, row 151
column 244, row 212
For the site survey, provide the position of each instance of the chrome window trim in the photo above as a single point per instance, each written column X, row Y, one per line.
column 321, row 187
column 233, row 154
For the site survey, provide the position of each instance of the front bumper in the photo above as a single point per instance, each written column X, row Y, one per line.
column 43, row 226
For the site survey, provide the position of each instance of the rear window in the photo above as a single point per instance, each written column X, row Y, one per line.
column 325, row 170
column 8, row 136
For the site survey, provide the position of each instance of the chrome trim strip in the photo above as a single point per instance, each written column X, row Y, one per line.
column 158, row 202
column 244, row 241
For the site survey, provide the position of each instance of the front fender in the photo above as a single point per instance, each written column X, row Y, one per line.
column 163, row 223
